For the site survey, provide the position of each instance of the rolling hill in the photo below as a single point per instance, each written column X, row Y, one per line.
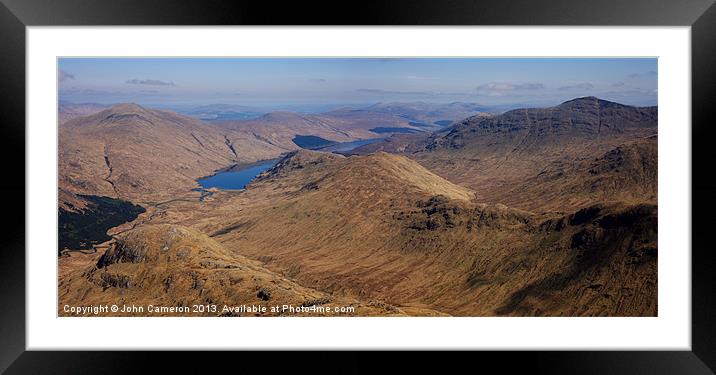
column 67, row 111
column 177, row 267
column 137, row 153
column 431, row 114
column 533, row 212
column 503, row 156
column 383, row 228
column 279, row 128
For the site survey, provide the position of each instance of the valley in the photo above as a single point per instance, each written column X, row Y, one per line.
column 393, row 209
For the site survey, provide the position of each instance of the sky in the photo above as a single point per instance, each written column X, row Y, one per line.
column 316, row 82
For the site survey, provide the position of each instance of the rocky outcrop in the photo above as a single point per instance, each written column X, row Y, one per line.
column 176, row 267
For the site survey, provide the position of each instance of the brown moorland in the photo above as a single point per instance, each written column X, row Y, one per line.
column 544, row 212
column 174, row 266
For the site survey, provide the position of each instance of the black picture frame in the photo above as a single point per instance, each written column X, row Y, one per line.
column 700, row 15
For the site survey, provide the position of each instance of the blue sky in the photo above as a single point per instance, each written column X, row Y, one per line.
column 297, row 82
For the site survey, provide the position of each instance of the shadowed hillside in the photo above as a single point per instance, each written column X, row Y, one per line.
column 174, row 266
column 381, row 227
column 504, row 157
column 132, row 152
column 534, row 212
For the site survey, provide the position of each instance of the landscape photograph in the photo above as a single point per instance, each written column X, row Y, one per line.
column 357, row 187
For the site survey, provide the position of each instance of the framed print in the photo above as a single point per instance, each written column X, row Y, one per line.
column 409, row 176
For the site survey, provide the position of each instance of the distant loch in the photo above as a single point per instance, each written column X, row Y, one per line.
column 238, row 177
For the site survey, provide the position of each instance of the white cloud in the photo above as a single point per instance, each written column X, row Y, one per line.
column 64, row 76
column 578, row 86
column 150, row 82
column 503, row 88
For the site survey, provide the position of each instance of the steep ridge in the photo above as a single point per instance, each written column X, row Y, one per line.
column 352, row 176
column 626, row 173
column 174, row 266
column 67, row 111
column 544, row 212
column 496, row 156
column 137, row 153
column 521, row 128
column 383, row 228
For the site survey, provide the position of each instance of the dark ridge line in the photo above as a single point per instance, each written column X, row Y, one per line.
column 226, row 230
column 231, row 146
column 198, row 141
column 109, row 166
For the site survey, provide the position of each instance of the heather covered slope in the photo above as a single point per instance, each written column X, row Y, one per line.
column 535, row 212
column 133, row 152
column 626, row 173
column 347, row 124
column 174, row 266
column 503, row 157
column 522, row 130
column 382, row 228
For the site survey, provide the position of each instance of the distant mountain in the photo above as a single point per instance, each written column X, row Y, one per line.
column 224, row 112
column 373, row 121
column 501, row 156
column 280, row 128
column 68, row 111
column 129, row 151
column 431, row 114
column 362, row 121
column 399, row 144
column 533, row 212
column 588, row 116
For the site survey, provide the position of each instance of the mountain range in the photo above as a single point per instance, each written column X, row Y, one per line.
column 67, row 110
column 431, row 113
column 544, row 158
column 533, row 212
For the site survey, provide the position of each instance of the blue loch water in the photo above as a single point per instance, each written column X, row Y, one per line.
column 349, row 146
column 235, row 180
column 238, row 179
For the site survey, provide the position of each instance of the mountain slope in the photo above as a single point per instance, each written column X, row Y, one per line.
column 501, row 156
column 626, row 173
column 431, row 113
column 173, row 266
column 544, row 212
column 67, row 111
column 522, row 128
column 374, row 174
column 279, row 128
column 383, row 228
column 348, row 124
column 132, row 152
